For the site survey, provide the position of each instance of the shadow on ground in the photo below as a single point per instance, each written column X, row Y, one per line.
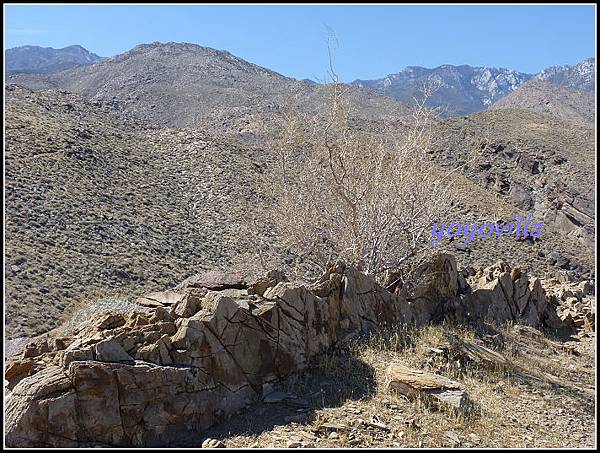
column 333, row 379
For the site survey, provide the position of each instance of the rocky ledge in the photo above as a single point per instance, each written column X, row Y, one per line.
column 190, row 357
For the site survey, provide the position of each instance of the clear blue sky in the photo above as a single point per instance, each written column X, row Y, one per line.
column 373, row 40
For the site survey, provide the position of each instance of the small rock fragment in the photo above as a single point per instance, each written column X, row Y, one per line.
column 213, row 443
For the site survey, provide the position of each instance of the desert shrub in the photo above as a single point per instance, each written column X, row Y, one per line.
column 339, row 189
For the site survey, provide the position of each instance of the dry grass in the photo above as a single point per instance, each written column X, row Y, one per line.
column 94, row 304
column 544, row 397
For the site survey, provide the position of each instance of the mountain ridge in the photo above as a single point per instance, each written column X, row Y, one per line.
column 465, row 89
column 580, row 76
column 37, row 59
column 198, row 84
column 459, row 89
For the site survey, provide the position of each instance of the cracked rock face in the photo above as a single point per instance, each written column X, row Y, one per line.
column 161, row 375
column 503, row 294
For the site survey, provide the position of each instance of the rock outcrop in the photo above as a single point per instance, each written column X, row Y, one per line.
column 574, row 302
column 190, row 357
column 505, row 294
column 529, row 160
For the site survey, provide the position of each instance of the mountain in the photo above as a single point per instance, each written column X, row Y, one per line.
column 200, row 84
column 35, row 59
column 542, row 96
column 460, row 89
column 581, row 76
column 185, row 85
column 129, row 175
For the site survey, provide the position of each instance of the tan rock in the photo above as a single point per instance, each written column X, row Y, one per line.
column 110, row 350
column 414, row 383
column 268, row 281
column 186, row 307
column 160, row 299
column 18, row 369
column 111, row 321
column 213, row 280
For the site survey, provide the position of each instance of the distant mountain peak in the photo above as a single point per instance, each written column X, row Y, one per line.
column 186, row 53
column 464, row 89
column 461, row 89
column 44, row 60
column 581, row 76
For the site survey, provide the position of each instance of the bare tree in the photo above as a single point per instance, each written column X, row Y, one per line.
column 339, row 191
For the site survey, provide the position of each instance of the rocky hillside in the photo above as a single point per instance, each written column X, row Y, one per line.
column 554, row 100
column 97, row 202
column 142, row 204
column 581, row 76
column 166, row 371
column 460, row 89
column 541, row 165
column 113, row 207
column 35, row 59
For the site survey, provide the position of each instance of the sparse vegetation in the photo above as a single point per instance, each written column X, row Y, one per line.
column 155, row 172
column 121, row 202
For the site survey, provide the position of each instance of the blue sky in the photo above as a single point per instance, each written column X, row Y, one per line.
column 373, row 41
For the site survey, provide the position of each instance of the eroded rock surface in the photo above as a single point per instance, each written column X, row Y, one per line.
column 190, row 357
column 415, row 383
column 574, row 302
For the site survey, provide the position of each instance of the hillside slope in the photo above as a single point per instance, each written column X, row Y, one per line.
column 551, row 99
column 536, row 163
column 147, row 175
column 97, row 204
